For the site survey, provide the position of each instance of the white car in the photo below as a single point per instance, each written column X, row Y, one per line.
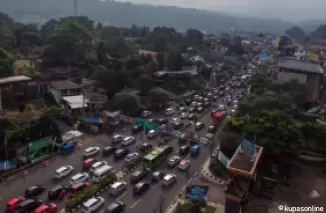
column 63, row 171
column 90, row 151
column 131, row 157
column 97, row 165
column 128, row 141
column 184, row 164
column 168, row 180
column 92, row 204
column 184, row 115
column 146, row 113
column 152, row 133
column 169, row 111
column 79, row 178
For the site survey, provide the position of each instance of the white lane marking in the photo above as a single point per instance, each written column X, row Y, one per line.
column 155, row 185
column 121, row 196
column 133, row 205
column 190, row 180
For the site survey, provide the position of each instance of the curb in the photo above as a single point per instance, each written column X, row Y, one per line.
column 209, row 176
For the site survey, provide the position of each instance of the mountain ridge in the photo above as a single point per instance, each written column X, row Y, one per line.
column 126, row 13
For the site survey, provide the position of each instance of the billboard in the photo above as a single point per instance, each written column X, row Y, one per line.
column 264, row 58
column 222, row 158
column 196, row 192
column 248, row 148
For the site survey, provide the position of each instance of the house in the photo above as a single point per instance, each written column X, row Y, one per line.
column 64, row 73
column 301, row 54
column 147, row 52
column 96, row 97
column 61, row 89
column 196, row 58
column 306, row 73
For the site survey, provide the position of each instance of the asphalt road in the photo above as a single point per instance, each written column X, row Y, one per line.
column 42, row 174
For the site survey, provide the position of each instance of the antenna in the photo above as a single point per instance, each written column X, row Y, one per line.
column 75, row 7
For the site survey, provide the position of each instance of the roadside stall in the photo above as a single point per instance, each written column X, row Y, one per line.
column 70, row 140
column 92, row 125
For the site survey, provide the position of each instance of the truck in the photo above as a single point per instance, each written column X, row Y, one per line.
column 219, row 117
column 195, row 150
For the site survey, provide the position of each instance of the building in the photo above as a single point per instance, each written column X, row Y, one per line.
column 306, row 73
column 301, row 54
column 196, row 58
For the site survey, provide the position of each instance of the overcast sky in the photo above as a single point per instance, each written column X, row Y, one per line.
column 290, row 10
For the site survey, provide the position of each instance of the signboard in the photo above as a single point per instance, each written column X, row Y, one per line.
column 222, row 158
column 196, row 192
column 146, row 124
column 247, row 147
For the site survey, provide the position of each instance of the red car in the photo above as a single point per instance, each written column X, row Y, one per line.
column 89, row 162
column 47, row 208
column 13, row 204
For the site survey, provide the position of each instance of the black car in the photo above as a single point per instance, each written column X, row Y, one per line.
column 145, row 147
column 138, row 175
column 188, row 101
column 55, row 192
column 223, row 87
column 192, row 117
column 207, row 104
column 116, row 207
column 182, row 139
column 199, row 126
column 184, row 150
column 228, row 101
column 163, row 121
column 157, row 176
column 177, row 126
column 136, row 128
column 200, row 109
column 212, row 129
column 121, row 153
column 29, row 205
column 221, row 93
column 33, row 191
column 109, row 150
column 141, row 187
column 192, row 110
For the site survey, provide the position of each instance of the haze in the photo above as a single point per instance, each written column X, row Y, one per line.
column 289, row 10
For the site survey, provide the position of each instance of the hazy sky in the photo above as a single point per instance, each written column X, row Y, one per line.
column 291, row 10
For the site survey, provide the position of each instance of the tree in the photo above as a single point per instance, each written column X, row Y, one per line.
column 153, row 66
column 128, row 103
column 145, row 83
column 174, row 59
column 194, row 36
column 158, row 98
column 160, row 60
column 6, row 64
column 7, row 37
column 107, row 79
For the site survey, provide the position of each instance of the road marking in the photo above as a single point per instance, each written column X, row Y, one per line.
column 121, row 196
column 155, row 185
column 190, row 180
column 62, row 210
column 133, row 205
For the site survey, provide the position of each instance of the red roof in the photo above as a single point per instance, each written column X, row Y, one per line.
column 147, row 52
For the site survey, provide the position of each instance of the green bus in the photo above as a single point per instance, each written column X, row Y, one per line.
column 157, row 156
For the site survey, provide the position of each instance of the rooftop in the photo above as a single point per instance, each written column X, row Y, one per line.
column 14, row 79
column 64, row 85
column 243, row 163
column 300, row 66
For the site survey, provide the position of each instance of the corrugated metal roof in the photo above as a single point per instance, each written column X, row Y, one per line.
column 14, row 79
column 300, row 66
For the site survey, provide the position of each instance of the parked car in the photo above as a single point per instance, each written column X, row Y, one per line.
column 47, row 208
column 91, row 151
column 97, row 165
column 109, row 150
column 169, row 111
column 163, row 121
column 127, row 141
column 136, row 128
column 146, row 113
column 89, row 162
column 13, row 204
column 29, row 205
column 79, row 178
column 92, row 204
column 34, row 191
column 184, row 150
column 120, row 153
column 117, row 138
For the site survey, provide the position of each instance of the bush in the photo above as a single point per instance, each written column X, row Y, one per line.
column 53, row 111
column 218, row 169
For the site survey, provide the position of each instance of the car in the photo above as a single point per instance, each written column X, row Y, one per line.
column 169, row 111
column 136, row 129
column 207, row 104
column 97, row 165
column 169, row 180
column 152, row 120
column 209, row 95
column 181, row 104
column 146, row 113
column 117, row 138
column 131, row 157
column 222, row 87
column 221, row 107
column 138, row 175
column 188, row 101
column 182, row 109
column 235, row 106
column 177, row 125
column 184, row 150
column 235, row 102
column 56, row 192
column 77, row 188
column 29, row 205
column 228, row 101
column 184, row 164
column 79, row 178
column 221, row 93
column 13, row 204
column 199, row 126
column 157, row 176
column 117, row 188
column 145, row 147
column 108, row 150
column 184, row 115
column 91, row 151
column 200, row 109
column 173, row 161
column 127, row 141
column 213, row 112
column 121, row 153
column 199, row 104
column 211, row 129
column 192, row 116
column 63, row 172
column 141, row 187
column 238, row 84
column 182, row 139
column 214, row 98
column 34, row 191
column 47, row 208
column 162, row 121
column 116, row 207
column 92, row 204
column 152, row 133
column 89, row 162
column 192, row 109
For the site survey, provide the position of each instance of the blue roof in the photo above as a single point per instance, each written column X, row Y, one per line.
column 92, row 120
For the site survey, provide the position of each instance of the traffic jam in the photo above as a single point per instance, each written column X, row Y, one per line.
column 151, row 157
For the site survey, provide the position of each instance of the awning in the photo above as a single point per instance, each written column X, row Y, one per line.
column 76, row 102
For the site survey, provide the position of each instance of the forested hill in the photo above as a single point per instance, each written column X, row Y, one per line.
column 126, row 14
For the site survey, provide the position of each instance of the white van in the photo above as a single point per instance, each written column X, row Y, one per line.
column 99, row 173
column 117, row 188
